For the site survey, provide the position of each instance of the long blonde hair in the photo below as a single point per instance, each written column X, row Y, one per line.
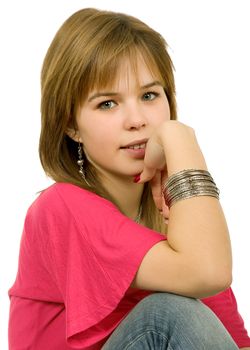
column 86, row 53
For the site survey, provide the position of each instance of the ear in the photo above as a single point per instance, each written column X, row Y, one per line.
column 74, row 134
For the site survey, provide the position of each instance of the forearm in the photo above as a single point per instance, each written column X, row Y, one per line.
column 198, row 232
column 197, row 227
column 197, row 254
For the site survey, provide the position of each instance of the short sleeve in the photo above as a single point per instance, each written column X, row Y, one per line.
column 95, row 252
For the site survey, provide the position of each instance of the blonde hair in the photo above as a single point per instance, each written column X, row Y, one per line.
column 86, row 53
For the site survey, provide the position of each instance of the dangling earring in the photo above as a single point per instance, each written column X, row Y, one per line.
column 80, row 163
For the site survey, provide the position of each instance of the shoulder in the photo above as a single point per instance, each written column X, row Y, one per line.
column 65, row 199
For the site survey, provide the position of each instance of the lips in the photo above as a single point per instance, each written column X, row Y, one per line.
column 142, row 145
column 137, row 144
column 135, row 149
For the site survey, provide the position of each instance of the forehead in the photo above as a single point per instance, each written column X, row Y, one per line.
column 131, row 76
column 127, row 71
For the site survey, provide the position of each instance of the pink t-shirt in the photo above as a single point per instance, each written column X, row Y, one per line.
column 78, row 257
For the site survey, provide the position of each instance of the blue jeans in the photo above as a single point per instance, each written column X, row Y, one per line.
column 168, row 321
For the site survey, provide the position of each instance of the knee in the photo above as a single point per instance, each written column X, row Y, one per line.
column 170, row 309
column 182, row 319
column 170, row 303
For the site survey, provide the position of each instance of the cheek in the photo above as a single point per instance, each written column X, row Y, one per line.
column 96, row 139
column 167, row 111
column 162, row 115
column 91, row 132
column 94, row 148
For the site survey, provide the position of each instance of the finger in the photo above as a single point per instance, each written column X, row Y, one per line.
column 165, row 208
column 154, row 156
column 156, row 190
column 147, row 174
column 164, row 176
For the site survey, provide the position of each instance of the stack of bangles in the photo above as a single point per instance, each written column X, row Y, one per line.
column 189, row 183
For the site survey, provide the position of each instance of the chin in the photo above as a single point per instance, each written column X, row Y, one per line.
column 127, row 169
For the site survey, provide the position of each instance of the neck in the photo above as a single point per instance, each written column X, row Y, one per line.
column 126, row 194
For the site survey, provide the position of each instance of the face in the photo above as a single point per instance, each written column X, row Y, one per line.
column 114, row 125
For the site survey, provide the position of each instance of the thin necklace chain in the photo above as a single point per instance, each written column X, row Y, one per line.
column 138, row 217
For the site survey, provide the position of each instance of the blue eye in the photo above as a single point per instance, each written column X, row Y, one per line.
column 149, row 96
column 106, row 104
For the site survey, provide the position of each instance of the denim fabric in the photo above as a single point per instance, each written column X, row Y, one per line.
column 168, row 321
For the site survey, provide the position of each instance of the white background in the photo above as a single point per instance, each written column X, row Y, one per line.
column 210, row 46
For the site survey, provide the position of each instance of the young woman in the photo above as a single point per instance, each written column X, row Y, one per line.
column 117, row 253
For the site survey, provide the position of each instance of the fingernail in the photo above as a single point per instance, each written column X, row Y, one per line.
column 137, row 178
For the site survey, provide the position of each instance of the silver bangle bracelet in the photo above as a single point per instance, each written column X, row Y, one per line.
column 189, row 183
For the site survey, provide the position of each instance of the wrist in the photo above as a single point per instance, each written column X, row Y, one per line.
column 180, row 147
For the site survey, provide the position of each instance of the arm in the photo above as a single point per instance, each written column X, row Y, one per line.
column 196, row 259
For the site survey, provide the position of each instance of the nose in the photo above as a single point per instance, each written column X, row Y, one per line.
column 135, row 118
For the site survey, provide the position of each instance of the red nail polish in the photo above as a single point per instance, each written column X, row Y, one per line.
column 137, row 178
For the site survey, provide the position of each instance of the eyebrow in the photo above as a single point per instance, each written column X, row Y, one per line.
column 107, row 93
